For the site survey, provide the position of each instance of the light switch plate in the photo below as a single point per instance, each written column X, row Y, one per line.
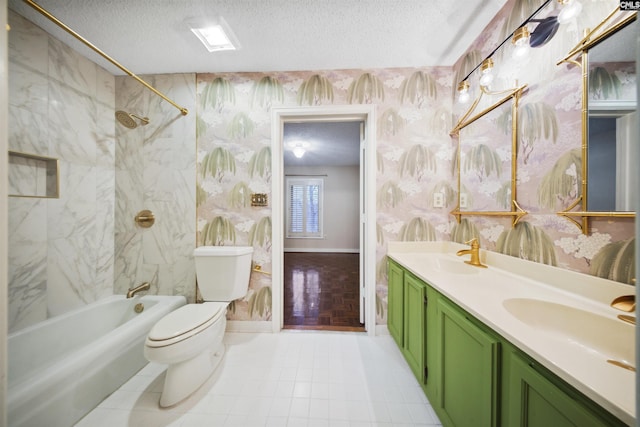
column 259, row 199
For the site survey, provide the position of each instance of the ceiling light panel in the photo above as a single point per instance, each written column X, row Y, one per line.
column 215, row 35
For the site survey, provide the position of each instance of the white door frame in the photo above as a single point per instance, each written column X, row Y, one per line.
column 279, row 116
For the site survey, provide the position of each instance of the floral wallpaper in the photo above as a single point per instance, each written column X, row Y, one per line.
column 234, row 157
column 416, row 163
column 549, row 141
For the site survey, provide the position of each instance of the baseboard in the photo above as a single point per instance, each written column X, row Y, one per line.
column 382, row 330
column 253, row 326
column 323, row 250
column 249, row 326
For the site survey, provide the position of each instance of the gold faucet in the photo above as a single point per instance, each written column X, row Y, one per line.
column 627, row 318
column 625, row 303
column 474, row 252
column 144, row 287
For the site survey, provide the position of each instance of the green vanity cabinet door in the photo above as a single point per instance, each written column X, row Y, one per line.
column 430, row 385
column 395, row 303
column 532, row 400
column 415, row 292
column 468, row 370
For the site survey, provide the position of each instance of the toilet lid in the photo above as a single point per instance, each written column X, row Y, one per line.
column 208, row 251
column 185, row 319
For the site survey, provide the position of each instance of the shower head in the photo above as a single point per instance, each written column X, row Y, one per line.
column 127, row 119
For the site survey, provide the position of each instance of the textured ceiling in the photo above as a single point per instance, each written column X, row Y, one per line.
column 151, row 36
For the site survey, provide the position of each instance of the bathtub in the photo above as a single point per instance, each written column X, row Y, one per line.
column 62, row 368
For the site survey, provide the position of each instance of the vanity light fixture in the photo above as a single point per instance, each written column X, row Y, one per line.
column 545, row 30
column 520, row 42
column 570, row 9
column 215, row 36
column 463, row 92
column 486, row 70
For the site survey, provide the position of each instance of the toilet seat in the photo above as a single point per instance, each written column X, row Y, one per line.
column 185, row 322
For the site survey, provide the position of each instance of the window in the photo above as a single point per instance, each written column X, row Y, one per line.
column 304, row 207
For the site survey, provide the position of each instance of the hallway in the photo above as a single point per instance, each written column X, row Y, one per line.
column 321, row 291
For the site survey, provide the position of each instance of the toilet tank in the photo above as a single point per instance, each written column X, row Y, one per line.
column 223, row 271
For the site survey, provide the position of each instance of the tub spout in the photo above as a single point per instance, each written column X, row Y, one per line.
column 144, row 287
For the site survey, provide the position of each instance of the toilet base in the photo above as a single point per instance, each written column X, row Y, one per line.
column 184, row 378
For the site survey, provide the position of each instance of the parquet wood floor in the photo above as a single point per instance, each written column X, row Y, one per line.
column 321, row 291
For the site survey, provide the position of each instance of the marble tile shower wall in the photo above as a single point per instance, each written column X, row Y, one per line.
column 60, row 105
column 85, row 245
column 155, row 170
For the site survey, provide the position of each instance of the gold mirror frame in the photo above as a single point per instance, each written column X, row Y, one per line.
column 516, row 212
column 579, row 56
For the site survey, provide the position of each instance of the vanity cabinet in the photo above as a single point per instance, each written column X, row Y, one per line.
column 471, row 375
column 407, row 317
column 533, row 397
column 395, row 302
column 415, row 325
column 407, row 321
column 467, row 369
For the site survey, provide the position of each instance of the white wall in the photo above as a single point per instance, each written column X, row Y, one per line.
column 341, row 207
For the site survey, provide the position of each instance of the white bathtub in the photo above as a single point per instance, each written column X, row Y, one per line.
column 62, row 368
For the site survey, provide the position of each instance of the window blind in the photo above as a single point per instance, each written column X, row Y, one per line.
column 304, row 207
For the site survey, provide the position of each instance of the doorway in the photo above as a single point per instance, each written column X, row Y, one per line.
column 322, row 174
column 364, row 220
column 321, row 291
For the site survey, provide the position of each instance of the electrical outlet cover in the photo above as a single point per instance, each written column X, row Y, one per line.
column 438, row 200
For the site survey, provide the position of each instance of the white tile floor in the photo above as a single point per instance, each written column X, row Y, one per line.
column 293, row 378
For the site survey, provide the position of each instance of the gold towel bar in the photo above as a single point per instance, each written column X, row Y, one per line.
column 258, row 269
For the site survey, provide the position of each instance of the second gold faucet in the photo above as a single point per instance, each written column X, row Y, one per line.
column 474, row 252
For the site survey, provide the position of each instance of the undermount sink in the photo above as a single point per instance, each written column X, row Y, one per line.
column 609, row 337
column 450, row 266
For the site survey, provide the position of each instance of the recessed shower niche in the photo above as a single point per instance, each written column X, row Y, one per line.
column 31, row 175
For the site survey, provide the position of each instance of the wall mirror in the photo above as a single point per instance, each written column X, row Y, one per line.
column 487, row 160
column 607, row 57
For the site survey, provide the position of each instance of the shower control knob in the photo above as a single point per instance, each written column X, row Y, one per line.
column 145, row 218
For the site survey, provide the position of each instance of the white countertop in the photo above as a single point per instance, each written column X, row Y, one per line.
column 578, row 352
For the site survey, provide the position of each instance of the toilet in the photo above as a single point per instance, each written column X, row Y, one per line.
column 189, row 339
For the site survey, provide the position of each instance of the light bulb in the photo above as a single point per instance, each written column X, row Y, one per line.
column 487, row 72
column 298, row 151
column 463, row 92
column 520, row 52
column 521, row 43
column 570, row 9
column 486, row 79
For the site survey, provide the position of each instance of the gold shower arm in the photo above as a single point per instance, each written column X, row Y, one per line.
column 59, row 23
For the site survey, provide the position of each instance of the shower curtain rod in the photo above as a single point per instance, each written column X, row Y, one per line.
column 59, row 23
